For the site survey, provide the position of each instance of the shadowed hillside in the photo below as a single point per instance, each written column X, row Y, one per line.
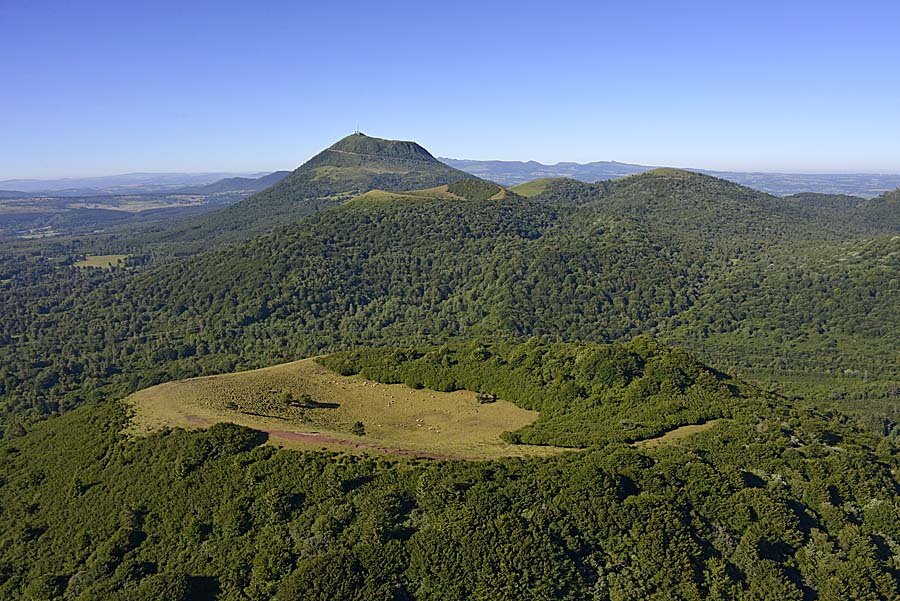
column 883, row 210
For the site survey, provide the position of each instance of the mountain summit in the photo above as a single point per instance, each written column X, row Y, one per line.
column 361, row 145
column 349, row 167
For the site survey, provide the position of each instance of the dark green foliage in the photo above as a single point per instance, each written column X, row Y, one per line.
column 854, row 213
column 586, row 394
column 883, row 210
column 171, row 586
column 783, row 499
column 745, row 285
column 776, row 502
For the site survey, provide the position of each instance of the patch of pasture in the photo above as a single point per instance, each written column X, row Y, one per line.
column 675, row 435
column 102, row 261
column 304, row 405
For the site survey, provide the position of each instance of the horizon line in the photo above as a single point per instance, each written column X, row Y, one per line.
column 244, row 173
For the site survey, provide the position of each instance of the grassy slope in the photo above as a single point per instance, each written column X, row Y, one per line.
column 466, row 190
column 587, row 394
column 102, row 261
column 535, row 187
column 396, row 417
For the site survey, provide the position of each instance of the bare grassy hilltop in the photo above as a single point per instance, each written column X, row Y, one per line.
column 304, row 405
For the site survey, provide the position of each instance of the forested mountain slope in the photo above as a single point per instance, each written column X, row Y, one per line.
column 715, row 209
column 775, row 502
column 743, row 278
column 878, row 214
column 433, row 279
column 352, row 165
column 884, row 210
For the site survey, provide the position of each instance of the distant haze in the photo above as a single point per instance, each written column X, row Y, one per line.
column 510, row 173
column 143, row 182
column 506, row 173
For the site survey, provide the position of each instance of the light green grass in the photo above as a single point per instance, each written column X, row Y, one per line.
column 535, row 187
column 670, row 172
column 381, row 196
column 102, row 261
column 675, row 435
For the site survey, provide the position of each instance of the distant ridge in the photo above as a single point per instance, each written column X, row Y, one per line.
column 15, row 194
column 512, row 173
column 237, row 184
column 126, row 183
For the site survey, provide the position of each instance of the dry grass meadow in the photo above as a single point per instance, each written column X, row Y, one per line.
column 304, row 405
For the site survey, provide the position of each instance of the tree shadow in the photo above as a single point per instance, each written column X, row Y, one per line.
column 203, row 588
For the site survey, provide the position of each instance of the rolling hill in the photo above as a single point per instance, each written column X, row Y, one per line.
column 353, row 165
column 15, row 194
column 528, row 329
column 748, row 280
column 512, row 173
column 863, row 215
column 236, row 184
column 884, row 210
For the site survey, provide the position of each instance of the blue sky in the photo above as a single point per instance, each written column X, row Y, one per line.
column 94, row 88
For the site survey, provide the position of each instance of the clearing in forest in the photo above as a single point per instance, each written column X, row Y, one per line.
column 304, row 405
column 536, row 186
column 101, row 261
column 675, row 435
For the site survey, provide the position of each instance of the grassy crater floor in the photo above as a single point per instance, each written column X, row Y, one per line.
column 304, row 405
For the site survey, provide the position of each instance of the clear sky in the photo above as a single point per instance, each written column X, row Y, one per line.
column 94, row 88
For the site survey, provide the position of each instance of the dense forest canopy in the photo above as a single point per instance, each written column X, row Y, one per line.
column 620, row 310
column 774, row 502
